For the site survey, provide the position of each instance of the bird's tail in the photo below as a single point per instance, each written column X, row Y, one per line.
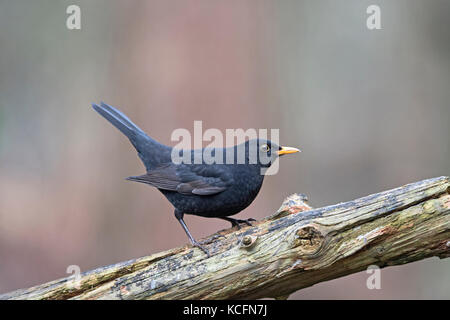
column 119, row 120
column 140, row 140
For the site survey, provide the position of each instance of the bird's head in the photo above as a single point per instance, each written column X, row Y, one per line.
column 264, row 152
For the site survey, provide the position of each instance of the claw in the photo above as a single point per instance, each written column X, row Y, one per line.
column 236, row 222
column 246, row 221
column 198, row 245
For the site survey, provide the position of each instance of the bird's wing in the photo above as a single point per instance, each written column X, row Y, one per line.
column 192, row 179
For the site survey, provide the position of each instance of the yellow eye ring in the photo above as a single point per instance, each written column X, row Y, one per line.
column 265, row 148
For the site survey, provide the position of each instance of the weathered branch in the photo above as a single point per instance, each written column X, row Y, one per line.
column 290, row 250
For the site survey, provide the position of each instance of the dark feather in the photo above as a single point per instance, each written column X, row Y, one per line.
column 185, row 179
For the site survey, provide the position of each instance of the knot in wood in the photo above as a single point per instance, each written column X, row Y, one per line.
column 308, row 238
column 248, row 241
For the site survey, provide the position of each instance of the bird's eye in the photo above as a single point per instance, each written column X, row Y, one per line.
column 265, row 148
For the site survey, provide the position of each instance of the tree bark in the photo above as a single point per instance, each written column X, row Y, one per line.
column 288, row 251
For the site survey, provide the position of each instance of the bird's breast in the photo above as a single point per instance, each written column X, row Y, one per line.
column 238, row 195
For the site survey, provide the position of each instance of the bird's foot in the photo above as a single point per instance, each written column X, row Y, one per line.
column 199, row 245
column 237, row 222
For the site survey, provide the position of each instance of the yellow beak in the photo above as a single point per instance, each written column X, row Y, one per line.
column 287, row 150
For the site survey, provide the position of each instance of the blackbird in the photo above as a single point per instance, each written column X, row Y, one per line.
column 214, row 190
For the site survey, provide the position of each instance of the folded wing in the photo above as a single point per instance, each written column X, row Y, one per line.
column 203, row 180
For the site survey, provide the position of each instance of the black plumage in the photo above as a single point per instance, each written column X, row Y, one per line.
column 216, row 190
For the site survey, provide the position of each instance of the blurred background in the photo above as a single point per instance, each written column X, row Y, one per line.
column 369, row 108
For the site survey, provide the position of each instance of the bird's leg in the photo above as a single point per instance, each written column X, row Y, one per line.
column 179, row 215
column 236, row 222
